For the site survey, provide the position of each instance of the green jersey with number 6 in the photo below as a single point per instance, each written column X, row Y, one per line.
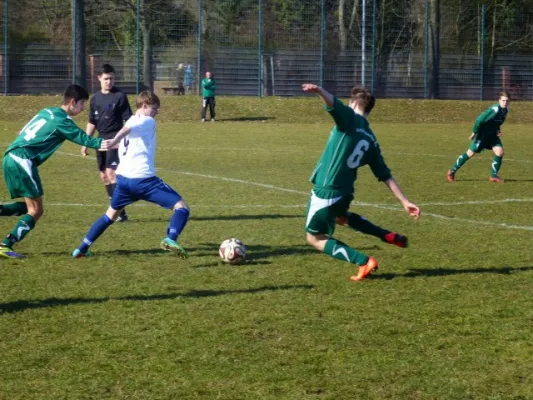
column 46, row 132
column 351, row 145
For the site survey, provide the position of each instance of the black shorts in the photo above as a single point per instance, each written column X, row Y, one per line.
column 107, row 159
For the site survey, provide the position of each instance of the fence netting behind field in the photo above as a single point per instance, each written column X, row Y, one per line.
column 397, row 48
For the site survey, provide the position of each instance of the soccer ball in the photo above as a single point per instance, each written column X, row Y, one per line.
column 232, row 251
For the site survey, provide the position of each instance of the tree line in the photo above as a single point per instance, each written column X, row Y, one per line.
column 392, row 26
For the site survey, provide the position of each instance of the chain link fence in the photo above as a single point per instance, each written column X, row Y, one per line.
column 443, row 49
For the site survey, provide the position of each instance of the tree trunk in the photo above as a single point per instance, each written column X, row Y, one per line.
column 78, row 12
column 147, row 55
column 343, row 34
column 434, row 48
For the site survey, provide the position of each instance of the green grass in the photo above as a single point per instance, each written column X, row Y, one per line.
column 448, row 318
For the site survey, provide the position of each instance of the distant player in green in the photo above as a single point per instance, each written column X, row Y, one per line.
column 351, row 145
column 208, row 93
column 36, row 142
column 486, row 135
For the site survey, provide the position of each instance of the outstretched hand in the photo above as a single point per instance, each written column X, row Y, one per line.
column 84, row 151
column 412, row 210
column 471, row 136
column 310, row 87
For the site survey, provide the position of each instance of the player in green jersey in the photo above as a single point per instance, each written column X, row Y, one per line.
column 486, row 135
column 351, row 145
column 36, row 142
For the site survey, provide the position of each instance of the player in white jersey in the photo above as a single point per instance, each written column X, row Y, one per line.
column 136, row 179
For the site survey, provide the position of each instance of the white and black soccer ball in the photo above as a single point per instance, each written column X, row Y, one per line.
column 232, row 251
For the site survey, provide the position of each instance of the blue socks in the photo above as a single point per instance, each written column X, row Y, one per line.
column 177, row 223
column 99, row 227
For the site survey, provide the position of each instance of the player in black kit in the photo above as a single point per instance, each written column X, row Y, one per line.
column 108, row 110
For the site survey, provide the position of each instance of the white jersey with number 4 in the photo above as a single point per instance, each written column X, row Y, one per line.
column 137, row 149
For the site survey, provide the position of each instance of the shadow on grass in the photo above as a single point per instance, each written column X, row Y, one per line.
column 257, row 254
column 244, row 119
column 417, row 273
column 22, row 305
column 222, row 218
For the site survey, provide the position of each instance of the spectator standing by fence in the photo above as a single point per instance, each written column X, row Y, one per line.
column 208, row 92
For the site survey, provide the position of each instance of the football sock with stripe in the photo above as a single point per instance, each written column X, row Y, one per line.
column 336, row 249
column 13, row 209
column 22, row 228
column 496, row 165
column 95, row 231
column 361, row 224
column 177, row 223
column 461, row 160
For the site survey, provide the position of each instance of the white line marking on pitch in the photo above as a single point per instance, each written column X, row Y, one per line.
column 379, row 206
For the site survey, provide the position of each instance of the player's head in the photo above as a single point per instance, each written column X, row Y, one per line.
column 370, row 106
column 504, row 99
column 148, row 103
column 208, row 75
column 106, row 76
column 362, row 101
column 74, row 99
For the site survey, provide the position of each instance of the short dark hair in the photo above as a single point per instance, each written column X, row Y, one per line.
column 370, row 104
column 106, row 69
column 75, row 92
column 147, row 97
column 364, row 98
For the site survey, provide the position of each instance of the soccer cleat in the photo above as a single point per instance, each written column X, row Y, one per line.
column 173, row 246
column 78, row 254
column 203, row 119
column 123, row 217
column 212, row 120
column 496, row 179
column 8, row 253
column 365, row 270
column 396, row 239
column 450, row 176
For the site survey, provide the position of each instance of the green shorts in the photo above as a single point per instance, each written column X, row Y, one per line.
column 322, row 212
column 478, row 145
column 22, row 177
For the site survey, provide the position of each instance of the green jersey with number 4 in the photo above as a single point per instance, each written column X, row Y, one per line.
column 46, row 132
column 351, row 145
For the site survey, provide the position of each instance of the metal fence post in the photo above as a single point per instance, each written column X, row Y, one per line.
column 74, row 44
column 373, row 76
column 259, row 49
column 138, row 47
column 363, row 41
column 6, row 47
column 199, row 66
column 426, row 51
column 322, row 33
column 482, row 56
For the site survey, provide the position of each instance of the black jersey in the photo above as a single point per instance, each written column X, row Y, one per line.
column 109, row 111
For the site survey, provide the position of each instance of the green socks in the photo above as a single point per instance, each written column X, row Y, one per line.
column 496, row 165
column 463, row 158
column 340, row 251
column 23, row 227
column 13, row 209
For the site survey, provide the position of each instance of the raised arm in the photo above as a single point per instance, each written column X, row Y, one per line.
column 326, row 96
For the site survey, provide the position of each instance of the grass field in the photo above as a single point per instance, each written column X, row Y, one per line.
column 448, row 318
